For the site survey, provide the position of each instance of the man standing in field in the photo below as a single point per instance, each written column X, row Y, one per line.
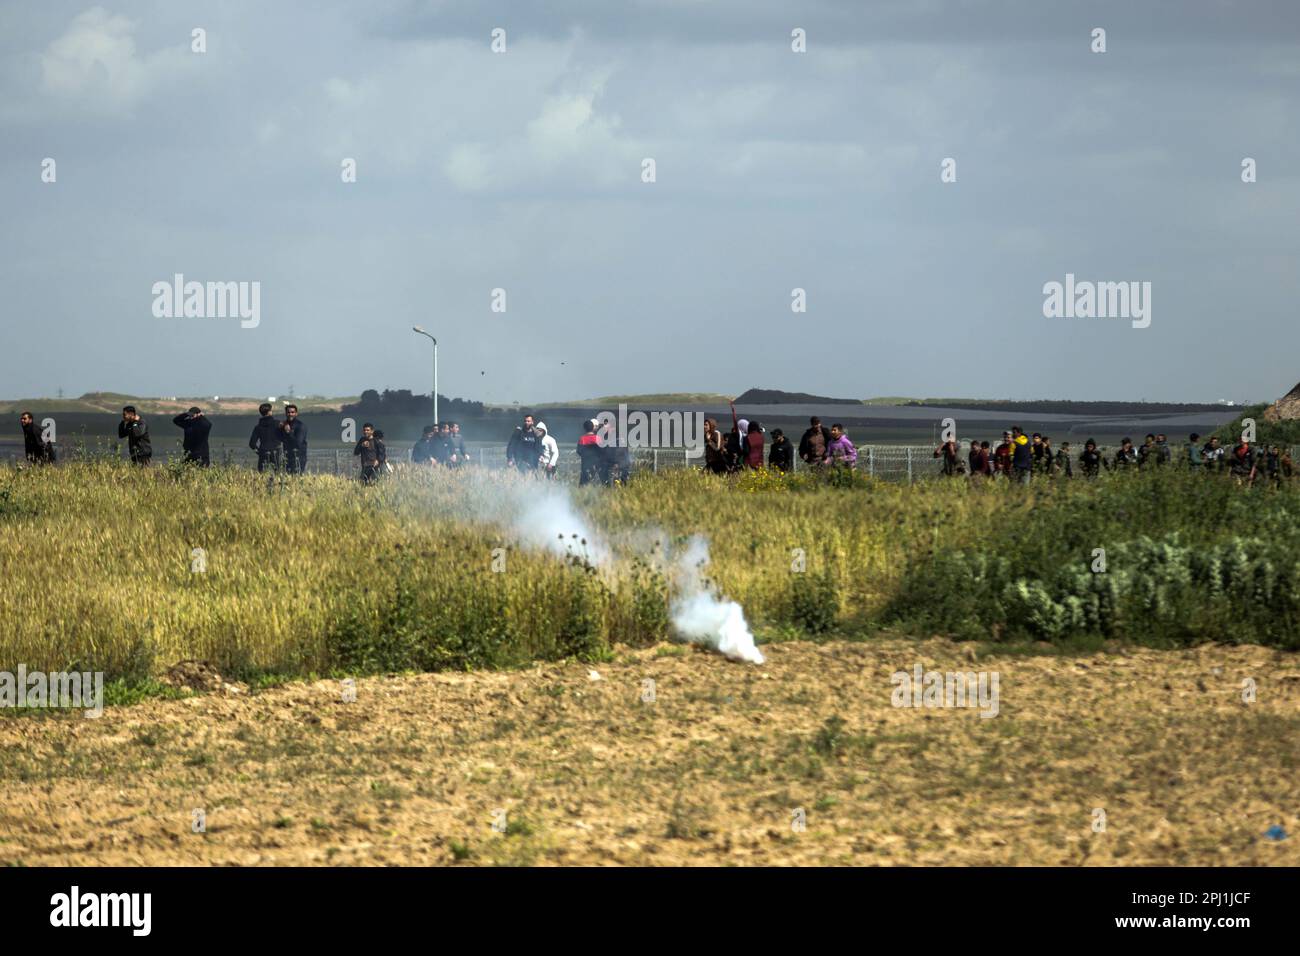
column 1241, row 464
column 194, row 441
column 443, row 446
column 367, row 449
column 265, row 439
column 1002, row 456
column 422, row 450
column 524, row 450
column 136, row 432
column 1090, row 459
column 1126, row 457
column 293, row 435
column 1022, row 455
column 589, row 455
column 34, row 448
column 812, row 446
column 458, row 455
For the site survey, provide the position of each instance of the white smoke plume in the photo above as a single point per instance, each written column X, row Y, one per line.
column 703, row 617
column 541, row 516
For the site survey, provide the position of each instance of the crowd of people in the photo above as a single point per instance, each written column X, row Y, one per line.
column 1021, row 457
column 281, row 445
column 743, row 446
column 532, row 450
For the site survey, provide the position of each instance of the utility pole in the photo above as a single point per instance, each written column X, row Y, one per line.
column 418, row 329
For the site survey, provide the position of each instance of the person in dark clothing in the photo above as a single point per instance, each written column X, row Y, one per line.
column 812, row 446
column 1195, row 455
column 422, row 450
column 136, row 432
column 368, row 450
column 1273, row 465
column 293, row 436
column 1163, row 455
column 265, row 439
column 951, row 456
column 616, row 459
column 1147, row 454
column 444, row 447
column 731, row 448
column 781, row 455
column 1126, row 457
column 459, row 455
column 1090, row 459
column 1064, row 464
column 715, row 454
column 524, row 450
column 589, row 455
column 1242, row 464
column 1212, row 455
column 977, row 459
column 1022, row 455
column 381, row 452
column 36, row 449
column 194, row 440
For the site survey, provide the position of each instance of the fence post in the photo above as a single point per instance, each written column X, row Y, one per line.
column 909, row 464
column 654, row 461
column 871, row 461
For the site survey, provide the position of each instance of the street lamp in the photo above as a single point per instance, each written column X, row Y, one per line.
column 416, row 328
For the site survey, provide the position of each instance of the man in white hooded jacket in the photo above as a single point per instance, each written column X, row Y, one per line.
column 550, row 456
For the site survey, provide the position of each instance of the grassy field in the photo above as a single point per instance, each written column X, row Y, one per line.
column 547, row 751
column 323, row 576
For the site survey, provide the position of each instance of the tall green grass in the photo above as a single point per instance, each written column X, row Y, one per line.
column 320, row 575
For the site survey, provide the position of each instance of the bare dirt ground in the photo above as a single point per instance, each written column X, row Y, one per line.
column 418, row 768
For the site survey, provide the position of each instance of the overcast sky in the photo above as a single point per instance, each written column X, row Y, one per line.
column 775, row 170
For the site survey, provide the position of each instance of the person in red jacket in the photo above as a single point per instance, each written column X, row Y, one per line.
column 754, row 446
column 1002, row 456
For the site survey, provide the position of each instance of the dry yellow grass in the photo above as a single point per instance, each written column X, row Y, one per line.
column 413, row 771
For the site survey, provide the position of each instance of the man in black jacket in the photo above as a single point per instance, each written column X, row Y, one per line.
column 1090, row 459
column 136, row 432
column 265, row 439
column 524, row 450
column 293, row 436
column 35, row 448
column 444, row 446
column 368, row 449
column 781, row 455
column 195, row 438
column 422, row 450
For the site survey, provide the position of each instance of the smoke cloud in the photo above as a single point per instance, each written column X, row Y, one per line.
column 541, row 516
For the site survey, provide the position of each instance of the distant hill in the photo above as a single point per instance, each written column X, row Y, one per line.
column 667, row 398
column 1055, row 407
column 774, row 396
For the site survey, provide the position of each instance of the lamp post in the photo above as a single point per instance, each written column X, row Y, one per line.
column 416, row 328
